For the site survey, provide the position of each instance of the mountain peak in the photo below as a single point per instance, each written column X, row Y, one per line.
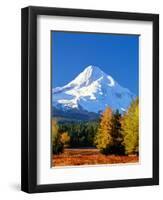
column 92, row 68
column 88, row 75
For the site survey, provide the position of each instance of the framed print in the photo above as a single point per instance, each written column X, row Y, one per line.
column 90, row 99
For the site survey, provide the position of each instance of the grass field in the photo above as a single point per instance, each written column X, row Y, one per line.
column 89, row 156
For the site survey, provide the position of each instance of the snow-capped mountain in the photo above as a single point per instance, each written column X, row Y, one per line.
column 92, row 90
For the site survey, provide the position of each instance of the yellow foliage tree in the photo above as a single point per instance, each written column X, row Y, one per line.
column 130, row 127
column 57, row 145
column 103, row 139
column 65, row 139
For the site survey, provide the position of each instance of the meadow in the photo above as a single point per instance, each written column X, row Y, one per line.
column 89, row 156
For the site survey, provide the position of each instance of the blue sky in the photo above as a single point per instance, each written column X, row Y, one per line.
column 116, row 55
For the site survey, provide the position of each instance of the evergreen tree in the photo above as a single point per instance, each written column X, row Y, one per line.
column 117, row 146
column 103, row 139
column 57, row 145
column 130, row 126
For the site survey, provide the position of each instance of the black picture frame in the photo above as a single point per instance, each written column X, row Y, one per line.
column 29, row 99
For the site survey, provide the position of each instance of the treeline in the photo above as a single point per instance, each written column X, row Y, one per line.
column 112, row 134
column 73, row 134
column 81, row 133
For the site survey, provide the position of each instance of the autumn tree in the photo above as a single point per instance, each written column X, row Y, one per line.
column 130, row 126
column 103, row 139
column 65, row 139
column 57, row 145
